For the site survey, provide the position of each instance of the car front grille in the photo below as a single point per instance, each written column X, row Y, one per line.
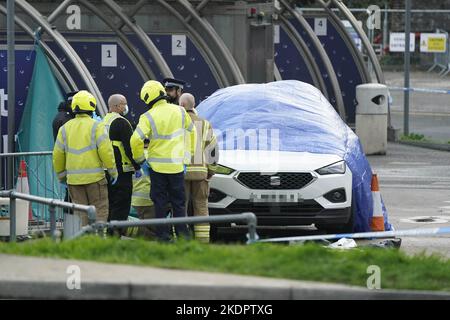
column 279, row 181
column 305, row 207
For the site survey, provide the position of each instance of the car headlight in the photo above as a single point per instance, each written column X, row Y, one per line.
column 223, row 170
column 335, row 168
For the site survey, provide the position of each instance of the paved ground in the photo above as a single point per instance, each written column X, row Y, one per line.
column 429, row 112
column 40, row 278
column 416, row 182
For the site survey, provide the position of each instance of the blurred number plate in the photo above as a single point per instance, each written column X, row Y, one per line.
column 279, row 197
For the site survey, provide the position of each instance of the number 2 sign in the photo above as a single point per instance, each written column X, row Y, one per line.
column 178, row 45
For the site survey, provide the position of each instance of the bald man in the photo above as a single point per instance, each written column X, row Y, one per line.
column 201, row 168
column 120, row 131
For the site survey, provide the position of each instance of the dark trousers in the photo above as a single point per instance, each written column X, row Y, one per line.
column 120, row 198
column 167, row 188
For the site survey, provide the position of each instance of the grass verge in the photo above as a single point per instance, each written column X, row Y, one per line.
column 417, row 137
column 308, row 262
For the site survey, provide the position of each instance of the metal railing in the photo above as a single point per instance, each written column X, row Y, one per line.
column 442, row 59
column 52, row 205
column 247, row 217
column 42, row 182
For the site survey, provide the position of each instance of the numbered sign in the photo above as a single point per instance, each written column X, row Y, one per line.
column 320, row 26
column 179, row 45
column 276, row 33
column 109, row 55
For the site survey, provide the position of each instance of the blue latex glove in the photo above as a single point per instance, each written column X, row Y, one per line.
column 96, row 117
column 138, row 174
column 185, row 169
column 146, row 168
column 63, row 183
column 114, row 181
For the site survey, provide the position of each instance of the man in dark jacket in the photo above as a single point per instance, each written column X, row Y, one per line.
column 120, row 131
column 64, row 114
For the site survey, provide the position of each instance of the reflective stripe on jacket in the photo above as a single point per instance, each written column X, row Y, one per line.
column 82, row 150
column 108, row 120
column 203, row 161
column 166, row 126
column 141, row 191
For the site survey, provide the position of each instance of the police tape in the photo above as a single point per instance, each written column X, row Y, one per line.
column 363, row 235
column 423, row 90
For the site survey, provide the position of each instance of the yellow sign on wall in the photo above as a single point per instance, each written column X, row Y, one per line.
column 433, row 42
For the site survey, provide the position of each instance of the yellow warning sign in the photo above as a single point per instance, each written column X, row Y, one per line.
column 433, row 42
column 436, row 44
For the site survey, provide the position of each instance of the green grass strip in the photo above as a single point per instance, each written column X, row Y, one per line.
column 307, row 262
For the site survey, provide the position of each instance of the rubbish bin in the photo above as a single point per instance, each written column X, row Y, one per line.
column 372, row 117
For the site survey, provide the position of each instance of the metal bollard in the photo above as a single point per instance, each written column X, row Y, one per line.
column 52, row 212
column 12, row 219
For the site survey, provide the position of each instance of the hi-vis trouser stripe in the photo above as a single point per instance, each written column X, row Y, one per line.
column 201, row 232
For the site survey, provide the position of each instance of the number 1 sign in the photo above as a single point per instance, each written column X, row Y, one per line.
column 109, row 55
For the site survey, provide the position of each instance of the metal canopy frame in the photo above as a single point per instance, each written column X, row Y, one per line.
column 136, row 58
column 323, row 56
column 217, row 68
column 142, row 36
column 219, row 47
column 61, row 72
column 365, row 41
column 304, row 51
column 68, row 51
column 351, row 45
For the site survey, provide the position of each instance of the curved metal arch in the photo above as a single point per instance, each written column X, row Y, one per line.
column 68, row 51
column 355, row 52
column 62, row 74
column 143, row 37
column 366, row 43
column 323, row 55
column 276, row 73
column 217, row 70
column 223, row 49
column 136, row 58
column 304, row 51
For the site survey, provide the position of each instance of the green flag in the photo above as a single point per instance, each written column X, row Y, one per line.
column 35, row 132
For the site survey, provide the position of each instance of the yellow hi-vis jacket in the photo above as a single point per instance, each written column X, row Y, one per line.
column 82, row 150
column 141, row 191
column 166, row 126
column 108, row 120
column 204, row 160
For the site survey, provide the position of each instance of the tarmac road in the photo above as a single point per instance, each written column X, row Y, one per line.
column 415, row 182
column 429, row 112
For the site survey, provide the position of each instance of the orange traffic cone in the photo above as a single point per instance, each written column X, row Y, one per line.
column 22, row 185
column 377, row 223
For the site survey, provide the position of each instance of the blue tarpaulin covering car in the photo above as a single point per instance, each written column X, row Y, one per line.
column 306, row 121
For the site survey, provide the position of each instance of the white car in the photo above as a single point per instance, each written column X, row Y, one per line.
column 284, row 189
